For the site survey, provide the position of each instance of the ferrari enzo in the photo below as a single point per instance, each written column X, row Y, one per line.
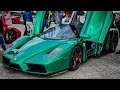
column 62, row 46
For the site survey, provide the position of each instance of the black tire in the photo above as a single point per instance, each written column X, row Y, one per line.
column 13, row 21
column 76, row 58
column 113, row 42
column 10, row 36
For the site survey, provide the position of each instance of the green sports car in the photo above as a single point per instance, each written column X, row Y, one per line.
column 62, row 46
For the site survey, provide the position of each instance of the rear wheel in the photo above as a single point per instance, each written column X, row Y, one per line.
column 76, row 58
column 113, row 42
column 10, row 36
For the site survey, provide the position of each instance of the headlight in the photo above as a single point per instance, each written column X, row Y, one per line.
column 54, row 52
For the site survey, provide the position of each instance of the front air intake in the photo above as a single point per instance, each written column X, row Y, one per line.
column 6, row 61
column 15, row 66
column 36, row 68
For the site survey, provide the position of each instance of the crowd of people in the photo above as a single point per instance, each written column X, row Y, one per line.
column 55, row 17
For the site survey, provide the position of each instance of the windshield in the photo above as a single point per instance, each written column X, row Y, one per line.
column 57, row 32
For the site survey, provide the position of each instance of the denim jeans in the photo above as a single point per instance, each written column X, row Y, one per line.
column 2, row 42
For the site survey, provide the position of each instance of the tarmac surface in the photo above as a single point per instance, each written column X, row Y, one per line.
column 104, row 67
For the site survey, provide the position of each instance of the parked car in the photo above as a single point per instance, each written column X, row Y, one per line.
column 15, row 17
column 63, row 46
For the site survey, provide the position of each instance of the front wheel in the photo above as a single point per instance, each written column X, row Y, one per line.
column 10, row 36
column 76, row 58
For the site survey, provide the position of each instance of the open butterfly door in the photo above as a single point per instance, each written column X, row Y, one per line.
column 38, row 23
column 96, row 25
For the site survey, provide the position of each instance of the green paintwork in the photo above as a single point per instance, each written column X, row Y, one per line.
column 38, row 23
column 97, row 25
column 36, row 50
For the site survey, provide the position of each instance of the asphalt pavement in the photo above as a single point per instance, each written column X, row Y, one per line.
column 104, row 67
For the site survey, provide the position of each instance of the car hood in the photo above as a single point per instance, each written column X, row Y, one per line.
column 42, row 45
column 35, row 47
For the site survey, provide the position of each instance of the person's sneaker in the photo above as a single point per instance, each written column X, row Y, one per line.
column 118, row 52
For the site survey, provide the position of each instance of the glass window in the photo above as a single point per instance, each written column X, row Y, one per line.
column 57, row 32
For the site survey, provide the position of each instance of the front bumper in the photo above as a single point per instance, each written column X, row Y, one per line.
column 30, row 68
column 42, row 69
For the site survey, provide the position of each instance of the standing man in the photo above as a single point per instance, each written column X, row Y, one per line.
column 29, row 21
column 24, row 21
column 2, row 42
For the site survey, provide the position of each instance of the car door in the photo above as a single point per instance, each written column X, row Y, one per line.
column 96, row 25
column 38, row 23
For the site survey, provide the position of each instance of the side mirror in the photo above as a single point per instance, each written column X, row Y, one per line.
column 85, row 36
